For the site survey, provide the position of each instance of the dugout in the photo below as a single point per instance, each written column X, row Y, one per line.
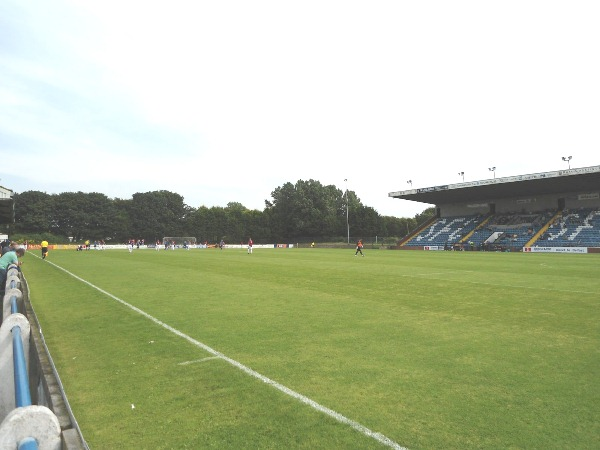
column 558, row 190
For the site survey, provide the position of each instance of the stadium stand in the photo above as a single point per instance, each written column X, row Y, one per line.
column 445, row 231
column 550, row 211
column 579, row 228
column 512, row 231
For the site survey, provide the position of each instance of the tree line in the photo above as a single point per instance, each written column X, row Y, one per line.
column 300, row 212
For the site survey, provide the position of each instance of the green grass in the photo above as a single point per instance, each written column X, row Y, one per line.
column 430, row 349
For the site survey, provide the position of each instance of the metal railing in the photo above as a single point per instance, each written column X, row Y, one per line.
column 23, row 425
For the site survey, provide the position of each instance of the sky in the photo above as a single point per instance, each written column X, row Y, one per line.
column 226, row 101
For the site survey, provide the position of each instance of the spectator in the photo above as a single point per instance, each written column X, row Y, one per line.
column 8, row 246
column 10, row 257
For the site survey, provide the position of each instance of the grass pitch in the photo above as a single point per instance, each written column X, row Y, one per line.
column 428, row 349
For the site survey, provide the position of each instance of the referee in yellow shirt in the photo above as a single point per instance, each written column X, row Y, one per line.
column 44, row 249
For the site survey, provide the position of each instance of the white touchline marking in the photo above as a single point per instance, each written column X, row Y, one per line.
column 302, row 398
column 185, row 363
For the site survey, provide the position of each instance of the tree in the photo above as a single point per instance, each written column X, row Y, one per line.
column 199, row 224
column 424, row 216
column 74, row 215
column 83, row 216
column 366, row 222
column 157, row 214
column 305, row 209
column 99, row 222
column 33, row 212
column 258, row 227
column 397, row 227
column 236, row 226
column 121, row 221
column 235, row 223
column 282, row 210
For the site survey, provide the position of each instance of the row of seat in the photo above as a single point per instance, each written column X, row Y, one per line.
column 580, row 228
column 445, row 230
column 569, row 228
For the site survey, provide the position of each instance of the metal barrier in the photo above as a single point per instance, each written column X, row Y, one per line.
column 23, row 426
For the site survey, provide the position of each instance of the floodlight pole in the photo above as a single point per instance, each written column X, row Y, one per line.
column 347, row 222
column 493, row 169
column 568, row 160
column 462, row 174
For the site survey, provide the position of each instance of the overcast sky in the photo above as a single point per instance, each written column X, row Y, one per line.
column 223, row 101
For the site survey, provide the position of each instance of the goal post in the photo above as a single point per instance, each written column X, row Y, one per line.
column 179, row 241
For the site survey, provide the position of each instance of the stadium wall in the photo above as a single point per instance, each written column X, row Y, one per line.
column 572, row 200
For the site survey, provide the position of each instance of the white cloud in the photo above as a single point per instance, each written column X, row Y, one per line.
column 225, row 102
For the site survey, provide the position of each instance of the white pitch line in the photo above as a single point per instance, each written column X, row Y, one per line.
column 186, row 363
column 302, row 398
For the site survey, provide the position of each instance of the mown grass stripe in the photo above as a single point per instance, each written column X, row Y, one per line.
column 302, row 398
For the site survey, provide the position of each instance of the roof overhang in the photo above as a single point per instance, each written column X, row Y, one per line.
column 581, row 180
